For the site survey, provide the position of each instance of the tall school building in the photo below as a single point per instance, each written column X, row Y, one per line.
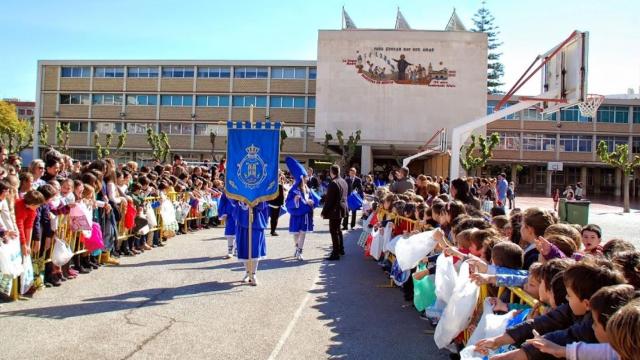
column 403, row 89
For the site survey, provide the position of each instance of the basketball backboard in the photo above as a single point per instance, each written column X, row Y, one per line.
column 564, row 75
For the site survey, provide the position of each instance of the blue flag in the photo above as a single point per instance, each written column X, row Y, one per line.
column 253, row 155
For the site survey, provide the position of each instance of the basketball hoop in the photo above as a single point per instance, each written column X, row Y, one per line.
column 589, row 107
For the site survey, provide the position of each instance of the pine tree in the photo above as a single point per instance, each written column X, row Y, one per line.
column 484, row 22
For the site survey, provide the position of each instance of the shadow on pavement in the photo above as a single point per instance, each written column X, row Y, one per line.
column 171, row 262
column 266, row 264
column 369, row 322
column 124, row 301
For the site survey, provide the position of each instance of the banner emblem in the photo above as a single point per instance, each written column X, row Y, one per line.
column 252, row 170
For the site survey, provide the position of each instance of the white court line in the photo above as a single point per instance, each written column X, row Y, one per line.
column 296, row 317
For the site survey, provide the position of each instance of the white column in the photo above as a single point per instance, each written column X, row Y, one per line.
column 549, row 182
column 583, row 180
column 618, row 183
column 366, row 165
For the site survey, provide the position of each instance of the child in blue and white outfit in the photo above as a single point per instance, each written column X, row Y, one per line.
column 226, row 209
column 300, row 203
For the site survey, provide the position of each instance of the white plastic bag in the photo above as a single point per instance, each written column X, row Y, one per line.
column 490, row 324
column 409, row 250
column 11, row 259
column 446, row 277
column 151, row 215
column 386, row 238
column 376, row 241
column 457, row 315
column 61, row 253
column 26, row 279
column 81, row 218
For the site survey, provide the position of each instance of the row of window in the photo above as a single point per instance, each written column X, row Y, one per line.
column 241, row 72
column 260, row 101
column 171, row 128
column 605, row 114
column 547, row 142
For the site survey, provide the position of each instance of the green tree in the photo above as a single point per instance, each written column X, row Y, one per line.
column 63, row 131
column 484, row 22
column 475, row 155
column 104, row 151
column 15, row 134
column 43, row 134
column 347, row 149
column 620, row 159
column 159, row 143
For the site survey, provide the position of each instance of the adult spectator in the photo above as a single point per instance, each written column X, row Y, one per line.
column 355, row 184
column 36, row 168
column 460, row 191
column 368, row 186
column 511, row 195
column 335, row 208
column 421, row 186
column 52, row 169
column 275, row 205
column 501, row 188
column 313, row 183
column 578, row 191
column 403, row 182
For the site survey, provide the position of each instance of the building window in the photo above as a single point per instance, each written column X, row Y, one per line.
column 176, row 100
column 107, row 99
column 550, row 116
column 138, row 128
column 575, row 143
column 613, row 114
column 573, row 114
column 636, row 115
column 250, row 72
column 538, row 142
column 294, row 132
column 106, row 127
column 287, row 102
column 142, row 100
column 206, row 129
column 247, row 101
column 177, row 72
column 109, row 72
column 76, row 71
column 541, row 175
column 214, row 72
column 531, row 114
column 142, row 72
column 176, row 128
column 288, row 73
column 311, row 102
column 74, row 99
column 509, row 141
column 76, row 126
column 612, row 141
column 491, row 108
column 212, row 100
column 636, row 145
column 313, row 73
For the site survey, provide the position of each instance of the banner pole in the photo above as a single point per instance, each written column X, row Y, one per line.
column 250, row 260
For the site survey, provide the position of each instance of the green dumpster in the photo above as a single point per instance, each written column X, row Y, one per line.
column 562, row 210
column 578, row 212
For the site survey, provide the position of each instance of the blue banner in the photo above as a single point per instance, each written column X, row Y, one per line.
column 253, row 154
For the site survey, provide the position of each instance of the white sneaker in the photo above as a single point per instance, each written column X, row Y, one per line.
column 228, row 256
column 253, row 280
column 299, row 257
column 246, row 278
column 296, row 253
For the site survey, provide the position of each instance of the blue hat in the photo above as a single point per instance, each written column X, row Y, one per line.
column 296, row 169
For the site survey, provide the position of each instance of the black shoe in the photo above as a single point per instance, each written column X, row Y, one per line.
column 333, row 257
column 274, row 234
column 344, row 228
column 342, row 252
column 52, row 281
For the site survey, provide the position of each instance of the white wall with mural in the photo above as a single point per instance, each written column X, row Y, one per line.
column 399, row 87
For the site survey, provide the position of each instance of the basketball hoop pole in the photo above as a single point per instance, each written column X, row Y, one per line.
column 460, row 133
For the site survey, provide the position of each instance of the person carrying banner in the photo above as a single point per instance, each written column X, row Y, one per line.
column 258, row 243
column 300, row 204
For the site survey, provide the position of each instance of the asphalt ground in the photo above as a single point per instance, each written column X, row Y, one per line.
column 184, row 299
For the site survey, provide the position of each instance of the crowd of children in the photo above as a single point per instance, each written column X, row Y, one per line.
column 111, row 210
column 561, row 290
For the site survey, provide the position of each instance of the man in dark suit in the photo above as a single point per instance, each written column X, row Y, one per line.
column 275, row 205
column 335, row 208
column 354, row 183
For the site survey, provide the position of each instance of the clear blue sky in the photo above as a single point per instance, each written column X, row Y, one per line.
column 287, row 29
